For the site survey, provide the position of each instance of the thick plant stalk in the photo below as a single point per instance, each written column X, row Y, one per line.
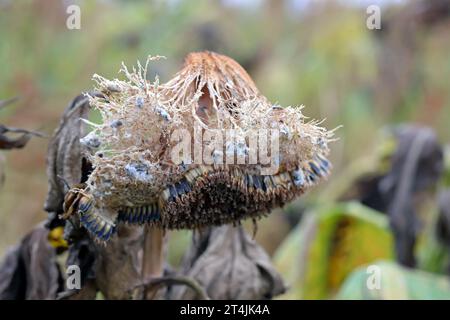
column 153, row 259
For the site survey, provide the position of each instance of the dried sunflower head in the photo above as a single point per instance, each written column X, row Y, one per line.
column 204, row 148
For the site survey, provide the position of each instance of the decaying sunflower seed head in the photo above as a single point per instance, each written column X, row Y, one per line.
column 204, row 148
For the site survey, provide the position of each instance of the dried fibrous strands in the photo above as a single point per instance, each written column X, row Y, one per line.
column 136, row 177
column 212, row 87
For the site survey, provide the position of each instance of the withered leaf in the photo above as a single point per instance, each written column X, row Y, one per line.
column 8, row 142
column 64, row 158
column 29, row 270
column 12, row 143
column 416, row 166
column 229, row 265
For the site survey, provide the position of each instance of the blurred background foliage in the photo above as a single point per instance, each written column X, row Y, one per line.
column 316, row 53
column 329, row 243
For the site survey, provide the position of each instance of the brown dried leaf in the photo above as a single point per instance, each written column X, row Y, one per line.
column 7, row 142
column 229, row 265
column 119, row 263
column 12, row 143
column 64, row 159
column 29, row 270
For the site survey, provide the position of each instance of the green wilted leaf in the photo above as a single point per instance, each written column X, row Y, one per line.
column 327, row 245
column 396, row 282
